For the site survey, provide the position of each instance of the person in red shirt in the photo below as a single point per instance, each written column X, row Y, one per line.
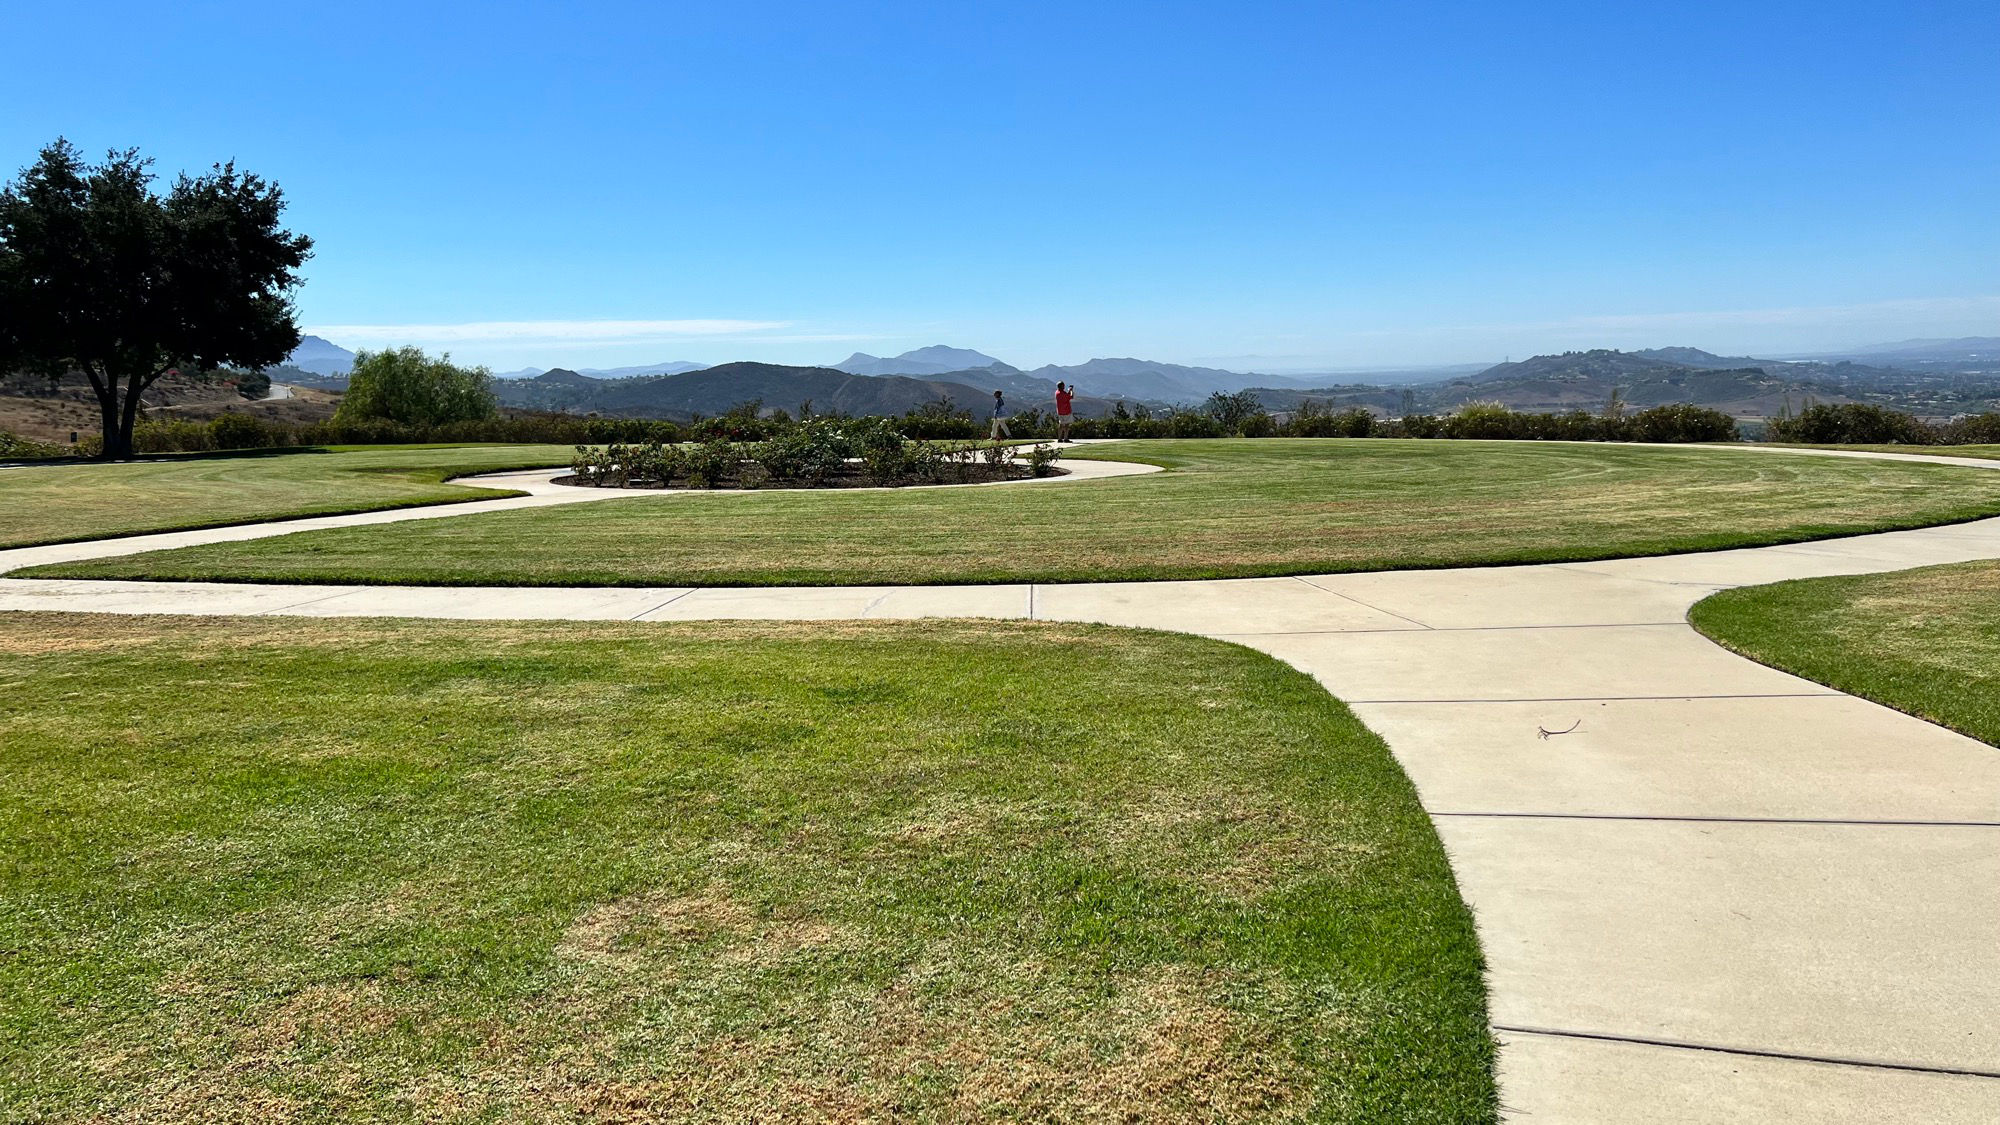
column 1064, row 396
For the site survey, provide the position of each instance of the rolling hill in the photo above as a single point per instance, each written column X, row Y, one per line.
column 714, row 390
column 1586, row 380
column 1144, row 380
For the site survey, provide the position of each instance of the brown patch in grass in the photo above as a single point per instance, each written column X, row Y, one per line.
column 621, row 930
column 24, row 635
column 1262, row 840
column 1159, row 1049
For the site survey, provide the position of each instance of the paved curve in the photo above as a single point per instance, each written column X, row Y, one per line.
column 1725, row 894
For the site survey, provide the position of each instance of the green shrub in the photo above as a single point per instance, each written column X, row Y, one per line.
column 1680, row 422
column 940, row 419
column 1042, row 460
column 886, row 457
column 928, row 460
column 811, row 451
column 1852, row 423
column 173, row 435
column 1980, row 429
column 1418, row 426
column 252, row 385
column 14, row 448
column 404, row 385
column 1232, row 412
column 1316, row 419
column 1257, row 425
column 1482, row 420
column 708, row 463
column 231, row 430
column 588, row 465
column 1184, row 423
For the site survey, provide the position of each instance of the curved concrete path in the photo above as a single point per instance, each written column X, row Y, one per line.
column 1725, row 894
column 537, row 489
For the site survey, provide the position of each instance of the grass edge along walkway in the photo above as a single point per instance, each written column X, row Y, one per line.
column 375, row 868
column 1924, row 641
column 165, row 494
column 1224, row 509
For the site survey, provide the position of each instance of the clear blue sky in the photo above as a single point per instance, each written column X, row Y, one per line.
column 1256, row 185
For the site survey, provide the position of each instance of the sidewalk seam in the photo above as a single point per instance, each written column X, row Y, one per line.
column 1754, row 1052
column 1859, row 822
column 1359, row 602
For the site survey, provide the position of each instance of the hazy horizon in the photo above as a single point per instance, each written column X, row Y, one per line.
column 637, row 355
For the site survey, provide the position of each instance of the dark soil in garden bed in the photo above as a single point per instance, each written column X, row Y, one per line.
column 852, row 477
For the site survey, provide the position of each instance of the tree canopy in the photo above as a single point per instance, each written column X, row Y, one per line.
column 405, row 385
column 101, row 274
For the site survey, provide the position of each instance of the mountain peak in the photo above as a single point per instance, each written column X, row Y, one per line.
column 321, row 357
column 937, row 359
column 960, row 358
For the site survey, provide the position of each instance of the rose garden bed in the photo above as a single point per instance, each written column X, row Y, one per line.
column 828, row 453
column 751, row 475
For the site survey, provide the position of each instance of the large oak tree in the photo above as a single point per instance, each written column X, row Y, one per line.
column 100, row 274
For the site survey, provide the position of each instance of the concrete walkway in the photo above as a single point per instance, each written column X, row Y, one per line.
column 535, row 486
column 1725, row 895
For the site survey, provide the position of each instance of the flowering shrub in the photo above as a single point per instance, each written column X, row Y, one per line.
column 13, row 448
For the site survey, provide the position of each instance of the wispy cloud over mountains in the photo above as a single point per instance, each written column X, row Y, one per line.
column 571, row 333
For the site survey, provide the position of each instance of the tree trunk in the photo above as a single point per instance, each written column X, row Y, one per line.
column 128, row 417
column 119, row 414
column 117, row 443
column 110, row 447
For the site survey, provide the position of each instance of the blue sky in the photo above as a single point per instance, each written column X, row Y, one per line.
column 1253, row 185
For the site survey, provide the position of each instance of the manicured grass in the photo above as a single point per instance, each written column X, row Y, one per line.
column 1991, row 452
column 1226, row 508
column 78, row 500
column 371, row 869
column 1923, row 641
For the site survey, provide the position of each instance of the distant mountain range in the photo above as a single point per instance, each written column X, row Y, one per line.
column 1744, row 386
column 1931, row 377
column 1585, row 380
column 1143, row 379
column 670, row 367
column 714, row 390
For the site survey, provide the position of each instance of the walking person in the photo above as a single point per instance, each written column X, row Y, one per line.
column 999, row 418
column 1065, row 395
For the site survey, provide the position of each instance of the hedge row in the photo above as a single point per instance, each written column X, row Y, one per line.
column 1858, row 423
column 1818, row 425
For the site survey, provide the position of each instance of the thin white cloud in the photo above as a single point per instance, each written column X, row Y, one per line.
column 551, row 331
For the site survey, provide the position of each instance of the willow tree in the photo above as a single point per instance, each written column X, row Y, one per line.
column 101, row 274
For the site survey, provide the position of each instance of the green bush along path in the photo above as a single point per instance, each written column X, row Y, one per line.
column 55, row 503
column 377, row 870
column 1925, row 641
column 1226, row 508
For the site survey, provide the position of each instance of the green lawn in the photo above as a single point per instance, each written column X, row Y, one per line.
column 62, row 502
column 1923, row 641
column 1982, row 451
column 263, row 870
column 1226, row 508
